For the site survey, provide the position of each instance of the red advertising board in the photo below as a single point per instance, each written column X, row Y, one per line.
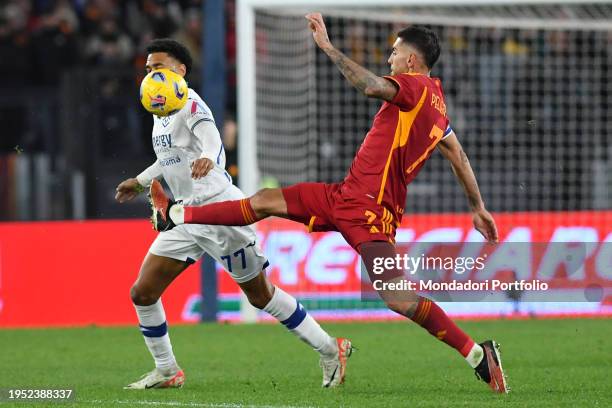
column 324, row 263
column 78, row 273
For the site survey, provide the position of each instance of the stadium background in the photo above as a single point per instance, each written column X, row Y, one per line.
column 528, row 90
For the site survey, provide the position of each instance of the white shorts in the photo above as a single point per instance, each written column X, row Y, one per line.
column 235, row 248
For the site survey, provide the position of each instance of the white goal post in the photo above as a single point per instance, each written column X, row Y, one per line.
column 246, row 45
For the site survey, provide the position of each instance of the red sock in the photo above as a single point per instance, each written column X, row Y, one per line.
column 236, row 212
column 429, row 316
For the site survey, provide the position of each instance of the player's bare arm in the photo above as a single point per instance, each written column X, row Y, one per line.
column 451, row 149
column 364, row 80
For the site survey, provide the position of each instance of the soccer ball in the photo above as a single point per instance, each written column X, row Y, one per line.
column 163, row 92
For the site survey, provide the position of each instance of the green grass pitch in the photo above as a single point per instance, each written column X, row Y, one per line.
column 550, row 363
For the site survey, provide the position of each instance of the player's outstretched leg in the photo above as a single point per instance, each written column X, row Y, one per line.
column 483, row 358
column 333, row 352
column 155, row 275
column 167, row 214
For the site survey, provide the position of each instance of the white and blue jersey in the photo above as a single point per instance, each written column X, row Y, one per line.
column 179, row 140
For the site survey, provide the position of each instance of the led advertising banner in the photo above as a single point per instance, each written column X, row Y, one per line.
column 79, row 273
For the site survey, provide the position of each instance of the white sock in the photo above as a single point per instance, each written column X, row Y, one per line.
column 153, row 326
column 292, row 314
column 177, row 214
column 475, row 356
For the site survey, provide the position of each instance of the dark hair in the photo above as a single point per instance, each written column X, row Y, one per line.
column 424, row 40
column 173, row 48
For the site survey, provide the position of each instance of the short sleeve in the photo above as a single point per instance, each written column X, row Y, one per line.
column 196, row 113
column 447, row 132
column 409, row 91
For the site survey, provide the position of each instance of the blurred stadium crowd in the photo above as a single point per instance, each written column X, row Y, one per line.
column 69, row 74
column 521, row 99
column 41, row 41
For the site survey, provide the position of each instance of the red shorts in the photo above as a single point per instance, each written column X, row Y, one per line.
column 324, row 207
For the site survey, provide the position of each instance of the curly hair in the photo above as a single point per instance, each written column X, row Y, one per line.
column 173, row 48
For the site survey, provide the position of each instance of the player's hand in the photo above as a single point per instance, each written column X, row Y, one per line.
column 128, row 189
column 319, row 31
column 201, row 167
column 485, row 224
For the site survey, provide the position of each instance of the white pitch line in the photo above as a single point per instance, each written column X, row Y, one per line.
column 187, row 404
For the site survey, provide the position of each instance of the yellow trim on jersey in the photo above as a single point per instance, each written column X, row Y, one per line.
column 436, row 134
column 385, row 221
column 387, row 216
column 402, row 131
column 423, row 313
column 311, row 223
column 244, row 212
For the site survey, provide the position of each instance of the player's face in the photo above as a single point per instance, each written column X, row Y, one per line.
column 402, row 58
column 159, row 60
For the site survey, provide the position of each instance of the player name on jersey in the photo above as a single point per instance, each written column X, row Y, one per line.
column 438, row 103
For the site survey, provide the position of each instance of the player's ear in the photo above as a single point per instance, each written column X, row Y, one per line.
column 181, row 69
column 411, row 60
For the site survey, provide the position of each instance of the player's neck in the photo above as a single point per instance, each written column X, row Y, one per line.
column 419, row 72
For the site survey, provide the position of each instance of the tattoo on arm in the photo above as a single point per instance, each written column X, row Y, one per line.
column 468, row 180
column 452, row 150
column 364, row 80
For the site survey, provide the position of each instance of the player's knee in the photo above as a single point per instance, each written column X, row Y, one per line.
column 259, row 300
column 142, row 297
column 404, row 308
column 268, row 202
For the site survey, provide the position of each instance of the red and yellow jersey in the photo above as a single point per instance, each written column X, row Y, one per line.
column 403, row 136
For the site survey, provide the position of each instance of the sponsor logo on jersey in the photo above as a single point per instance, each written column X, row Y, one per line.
column 198, row 110
column 160, row 141
column 169, row 161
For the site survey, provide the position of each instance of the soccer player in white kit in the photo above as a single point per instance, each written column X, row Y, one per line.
column 191, row 159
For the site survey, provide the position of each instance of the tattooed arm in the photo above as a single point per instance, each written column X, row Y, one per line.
column 452, row 150
column 364, row 80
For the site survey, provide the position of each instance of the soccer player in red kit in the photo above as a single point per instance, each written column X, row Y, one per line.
column 367, row 206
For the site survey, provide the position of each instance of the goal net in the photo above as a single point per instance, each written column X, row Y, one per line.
column 528, row 89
